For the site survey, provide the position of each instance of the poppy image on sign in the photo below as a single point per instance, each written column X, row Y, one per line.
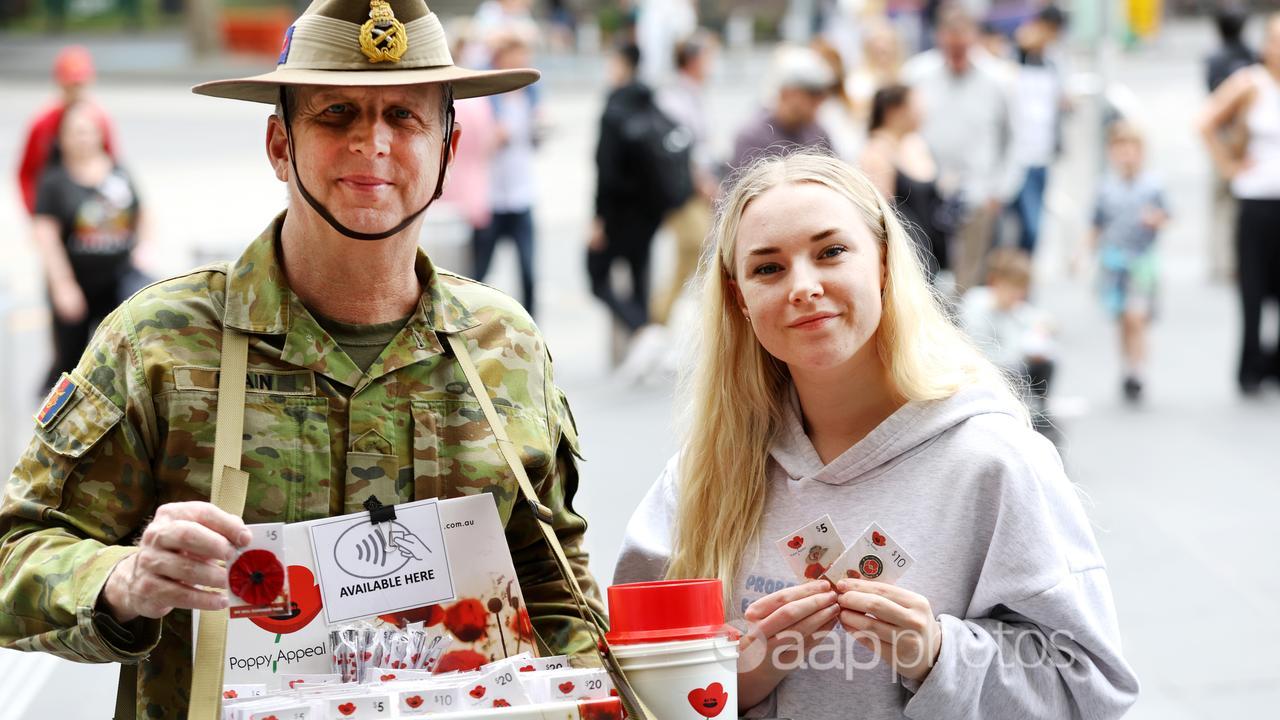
column 467, row 619
column 461, row 660
column 304, row 604
column 256, row 577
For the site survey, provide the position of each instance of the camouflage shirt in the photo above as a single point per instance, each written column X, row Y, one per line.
column 319, row 437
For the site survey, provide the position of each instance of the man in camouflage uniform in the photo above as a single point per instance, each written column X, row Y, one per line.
column 106, row 532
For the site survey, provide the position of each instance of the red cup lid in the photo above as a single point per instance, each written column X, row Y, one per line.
column 666, row 611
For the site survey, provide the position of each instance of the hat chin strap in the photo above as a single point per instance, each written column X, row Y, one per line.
column 323, row 212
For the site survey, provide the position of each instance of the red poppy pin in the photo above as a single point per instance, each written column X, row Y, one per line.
column 256, row 577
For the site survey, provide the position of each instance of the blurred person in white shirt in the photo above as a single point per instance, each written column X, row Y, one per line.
column 967, row 126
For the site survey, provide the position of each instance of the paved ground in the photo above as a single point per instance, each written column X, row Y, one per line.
column 1182, row 491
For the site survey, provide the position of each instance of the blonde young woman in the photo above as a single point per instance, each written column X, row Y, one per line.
column 830, row 381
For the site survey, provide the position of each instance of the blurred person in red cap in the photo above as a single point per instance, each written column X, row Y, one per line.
column 87, row 227
column 73, row 71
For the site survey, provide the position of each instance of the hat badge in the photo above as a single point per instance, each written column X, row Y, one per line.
column 383, row 37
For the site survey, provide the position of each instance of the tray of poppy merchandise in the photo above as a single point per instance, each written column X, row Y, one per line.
column 519, row 687
column 434, row 576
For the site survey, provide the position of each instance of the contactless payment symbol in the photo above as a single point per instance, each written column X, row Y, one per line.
column 364, row 552
column 870, row 566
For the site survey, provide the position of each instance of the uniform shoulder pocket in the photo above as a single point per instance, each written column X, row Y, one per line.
column 75, row 416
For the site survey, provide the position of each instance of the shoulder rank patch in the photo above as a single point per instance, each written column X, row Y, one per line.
column 58, row 399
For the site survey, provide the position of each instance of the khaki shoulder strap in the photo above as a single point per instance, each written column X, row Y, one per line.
column 635, row 706
column 235, row 359
column 230, row 485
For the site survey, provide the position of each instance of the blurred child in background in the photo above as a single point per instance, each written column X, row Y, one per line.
column 1129, row 212
column 1012, row 333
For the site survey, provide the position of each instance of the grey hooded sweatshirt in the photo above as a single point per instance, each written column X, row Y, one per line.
column 1003, row 551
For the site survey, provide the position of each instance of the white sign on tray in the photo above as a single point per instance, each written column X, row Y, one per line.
column 367, row 568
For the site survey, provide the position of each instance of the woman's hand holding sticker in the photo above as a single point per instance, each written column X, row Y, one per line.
column 896, row 624
column 781, row 627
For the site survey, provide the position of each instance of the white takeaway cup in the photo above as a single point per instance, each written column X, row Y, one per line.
column 684, row 679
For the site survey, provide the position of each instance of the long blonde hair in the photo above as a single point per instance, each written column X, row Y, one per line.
column 736, row 392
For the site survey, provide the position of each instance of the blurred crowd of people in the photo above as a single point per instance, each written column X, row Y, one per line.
column 960, row 134
column 960, row 127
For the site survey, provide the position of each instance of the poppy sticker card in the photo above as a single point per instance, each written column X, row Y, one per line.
column 811, row 549
column 873, row 556
column 499, row 687
column 257, row 583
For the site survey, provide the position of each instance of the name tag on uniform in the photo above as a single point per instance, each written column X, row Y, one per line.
column 276, row 382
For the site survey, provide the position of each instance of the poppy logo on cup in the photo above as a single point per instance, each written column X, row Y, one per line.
column 710, row 701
